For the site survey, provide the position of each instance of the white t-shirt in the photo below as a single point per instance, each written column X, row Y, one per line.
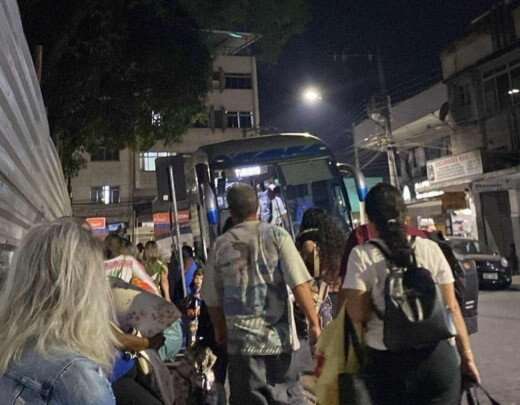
column 367, row 271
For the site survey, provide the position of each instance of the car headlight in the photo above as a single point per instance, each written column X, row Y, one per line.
column 504, row 262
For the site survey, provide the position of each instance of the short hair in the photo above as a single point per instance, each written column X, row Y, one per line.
column 187, row 251
column 151, row 251
column 57, row 296
column 242, row 200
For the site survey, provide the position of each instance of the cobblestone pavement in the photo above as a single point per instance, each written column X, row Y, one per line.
column 497, row 344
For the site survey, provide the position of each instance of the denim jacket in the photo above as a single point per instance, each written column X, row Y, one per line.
column 57, row 379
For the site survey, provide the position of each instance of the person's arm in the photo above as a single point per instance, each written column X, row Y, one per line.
column 136, row 344
column 165, row 286
column 304, row 299
column 212, row 291
column 297, row 278
column 356, row 287
column 463, row 343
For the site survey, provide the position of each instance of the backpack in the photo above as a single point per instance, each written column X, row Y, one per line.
column 466, row 289
column 415, row 316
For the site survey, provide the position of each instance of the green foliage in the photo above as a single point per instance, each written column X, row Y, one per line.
column 276, row 21
column 110, row 65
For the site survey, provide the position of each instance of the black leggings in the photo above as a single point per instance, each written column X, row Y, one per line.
column 420, row 377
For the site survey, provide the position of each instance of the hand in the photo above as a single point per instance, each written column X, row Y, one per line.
column 470, row 369
column 156, row 341
column 314, row 334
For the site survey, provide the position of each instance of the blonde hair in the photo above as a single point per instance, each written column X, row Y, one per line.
column 57, row 297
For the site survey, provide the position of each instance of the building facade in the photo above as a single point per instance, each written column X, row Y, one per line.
column 422, row 134
column 472, row 153
column 119, row 187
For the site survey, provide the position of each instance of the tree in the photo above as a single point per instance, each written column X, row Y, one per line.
column 118, row 73
column 133, row 72
column 276, row 21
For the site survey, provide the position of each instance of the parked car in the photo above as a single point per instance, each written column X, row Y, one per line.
column 493, row 269
column 466, row 281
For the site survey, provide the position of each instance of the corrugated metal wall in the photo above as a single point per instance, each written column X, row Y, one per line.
column 32, row 187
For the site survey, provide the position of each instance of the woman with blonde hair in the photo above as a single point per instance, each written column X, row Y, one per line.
column 55, row 309
column 156, row 269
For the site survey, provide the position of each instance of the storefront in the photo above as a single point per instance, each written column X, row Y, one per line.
column 497, row 198
column 444, row 201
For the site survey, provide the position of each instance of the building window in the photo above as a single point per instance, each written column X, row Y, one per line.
column 240, row 119
column 105, row 194
column 238, row 81
column 147, row 160
column 104, row 154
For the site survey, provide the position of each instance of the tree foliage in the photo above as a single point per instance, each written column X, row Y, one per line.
column 276, row 21
column 133, row 72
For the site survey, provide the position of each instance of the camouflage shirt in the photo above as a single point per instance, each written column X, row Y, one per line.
column 249, row 271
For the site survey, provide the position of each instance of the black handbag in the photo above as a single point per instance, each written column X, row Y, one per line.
column 471, row 394
column 352, row 388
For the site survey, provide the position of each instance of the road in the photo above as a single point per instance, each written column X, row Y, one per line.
column 497, row 344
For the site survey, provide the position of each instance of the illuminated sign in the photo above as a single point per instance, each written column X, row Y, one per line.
column 97, row 223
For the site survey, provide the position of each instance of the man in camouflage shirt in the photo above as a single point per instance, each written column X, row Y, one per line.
column 251, row 270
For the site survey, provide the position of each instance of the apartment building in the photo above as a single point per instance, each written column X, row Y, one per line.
column 478, row 159
column 117, row 188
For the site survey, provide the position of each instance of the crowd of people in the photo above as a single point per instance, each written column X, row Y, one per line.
column 259, row 304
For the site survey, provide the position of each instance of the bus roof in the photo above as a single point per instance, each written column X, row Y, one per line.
column 265, row 149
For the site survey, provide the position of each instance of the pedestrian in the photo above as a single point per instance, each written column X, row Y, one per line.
column 156, row 269
column 320, row 243
column 278, row 213
column 55, row 308
column 140, row 251
column 429, row 375
column 248, row 279
column 124, row 266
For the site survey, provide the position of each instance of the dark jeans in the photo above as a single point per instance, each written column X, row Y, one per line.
column 420, row 377
column 263, row 380
column 129, row 391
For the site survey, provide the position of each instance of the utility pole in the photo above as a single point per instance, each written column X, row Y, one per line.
column 383, row 108
column 387, row 114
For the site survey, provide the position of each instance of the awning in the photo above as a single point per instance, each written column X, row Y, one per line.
column 425, row 209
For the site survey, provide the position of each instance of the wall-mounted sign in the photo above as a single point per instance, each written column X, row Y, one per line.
column 455, row 167
column 422, row 191
column 97, row 223
column 163, row 218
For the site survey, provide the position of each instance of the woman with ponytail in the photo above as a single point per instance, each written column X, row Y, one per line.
column 416, row 376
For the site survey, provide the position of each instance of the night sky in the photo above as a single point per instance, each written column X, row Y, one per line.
column 410, row 34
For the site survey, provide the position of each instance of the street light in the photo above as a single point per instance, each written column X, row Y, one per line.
column 311, row 95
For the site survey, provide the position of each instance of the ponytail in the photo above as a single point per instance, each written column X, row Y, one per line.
column 387, row 211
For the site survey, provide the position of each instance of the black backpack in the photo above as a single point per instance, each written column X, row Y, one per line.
column 415, row 316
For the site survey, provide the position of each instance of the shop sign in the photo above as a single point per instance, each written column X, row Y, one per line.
column 97, row 223
column 425, row 185
column 455, row 167
column 163, row 218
